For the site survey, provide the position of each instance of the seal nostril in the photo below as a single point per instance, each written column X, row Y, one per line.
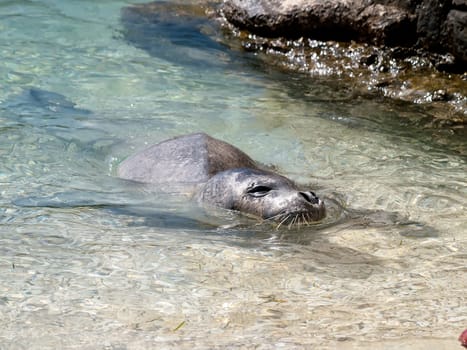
column 308, row 196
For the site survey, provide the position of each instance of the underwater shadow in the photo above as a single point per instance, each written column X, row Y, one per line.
column 178, row 33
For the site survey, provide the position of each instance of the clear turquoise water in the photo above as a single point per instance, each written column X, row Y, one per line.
column 78, row 274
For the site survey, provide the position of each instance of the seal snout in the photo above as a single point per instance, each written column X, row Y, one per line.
column 313, row 207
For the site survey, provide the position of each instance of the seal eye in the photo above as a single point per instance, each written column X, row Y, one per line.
column 259, row 191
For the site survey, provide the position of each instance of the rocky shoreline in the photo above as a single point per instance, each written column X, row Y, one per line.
column 409, row 50
column 434, row 25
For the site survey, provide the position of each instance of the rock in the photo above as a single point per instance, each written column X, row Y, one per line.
column 323, row 20
column 435, row 25
column 387, row 25
column 455, row 34
column 430, row 17
column 460, row 4
column 286, row 37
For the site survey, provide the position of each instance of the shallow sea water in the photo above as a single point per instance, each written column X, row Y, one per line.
column 79, row 270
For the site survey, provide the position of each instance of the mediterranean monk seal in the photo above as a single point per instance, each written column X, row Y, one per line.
column 223, row 176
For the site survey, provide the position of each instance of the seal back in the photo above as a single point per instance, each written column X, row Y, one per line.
column 192, row 158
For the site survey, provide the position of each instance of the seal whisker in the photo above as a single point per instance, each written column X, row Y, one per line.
column 304, row 220
column 294, row 220
column 283, row 220
column 276, row 217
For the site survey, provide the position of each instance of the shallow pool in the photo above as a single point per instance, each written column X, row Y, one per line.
column 387, row 270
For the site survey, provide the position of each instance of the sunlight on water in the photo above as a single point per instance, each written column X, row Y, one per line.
column 89, row 261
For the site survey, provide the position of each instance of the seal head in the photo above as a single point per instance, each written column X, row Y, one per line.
column 262, row 194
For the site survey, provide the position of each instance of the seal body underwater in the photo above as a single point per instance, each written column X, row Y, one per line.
column 223, row 176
